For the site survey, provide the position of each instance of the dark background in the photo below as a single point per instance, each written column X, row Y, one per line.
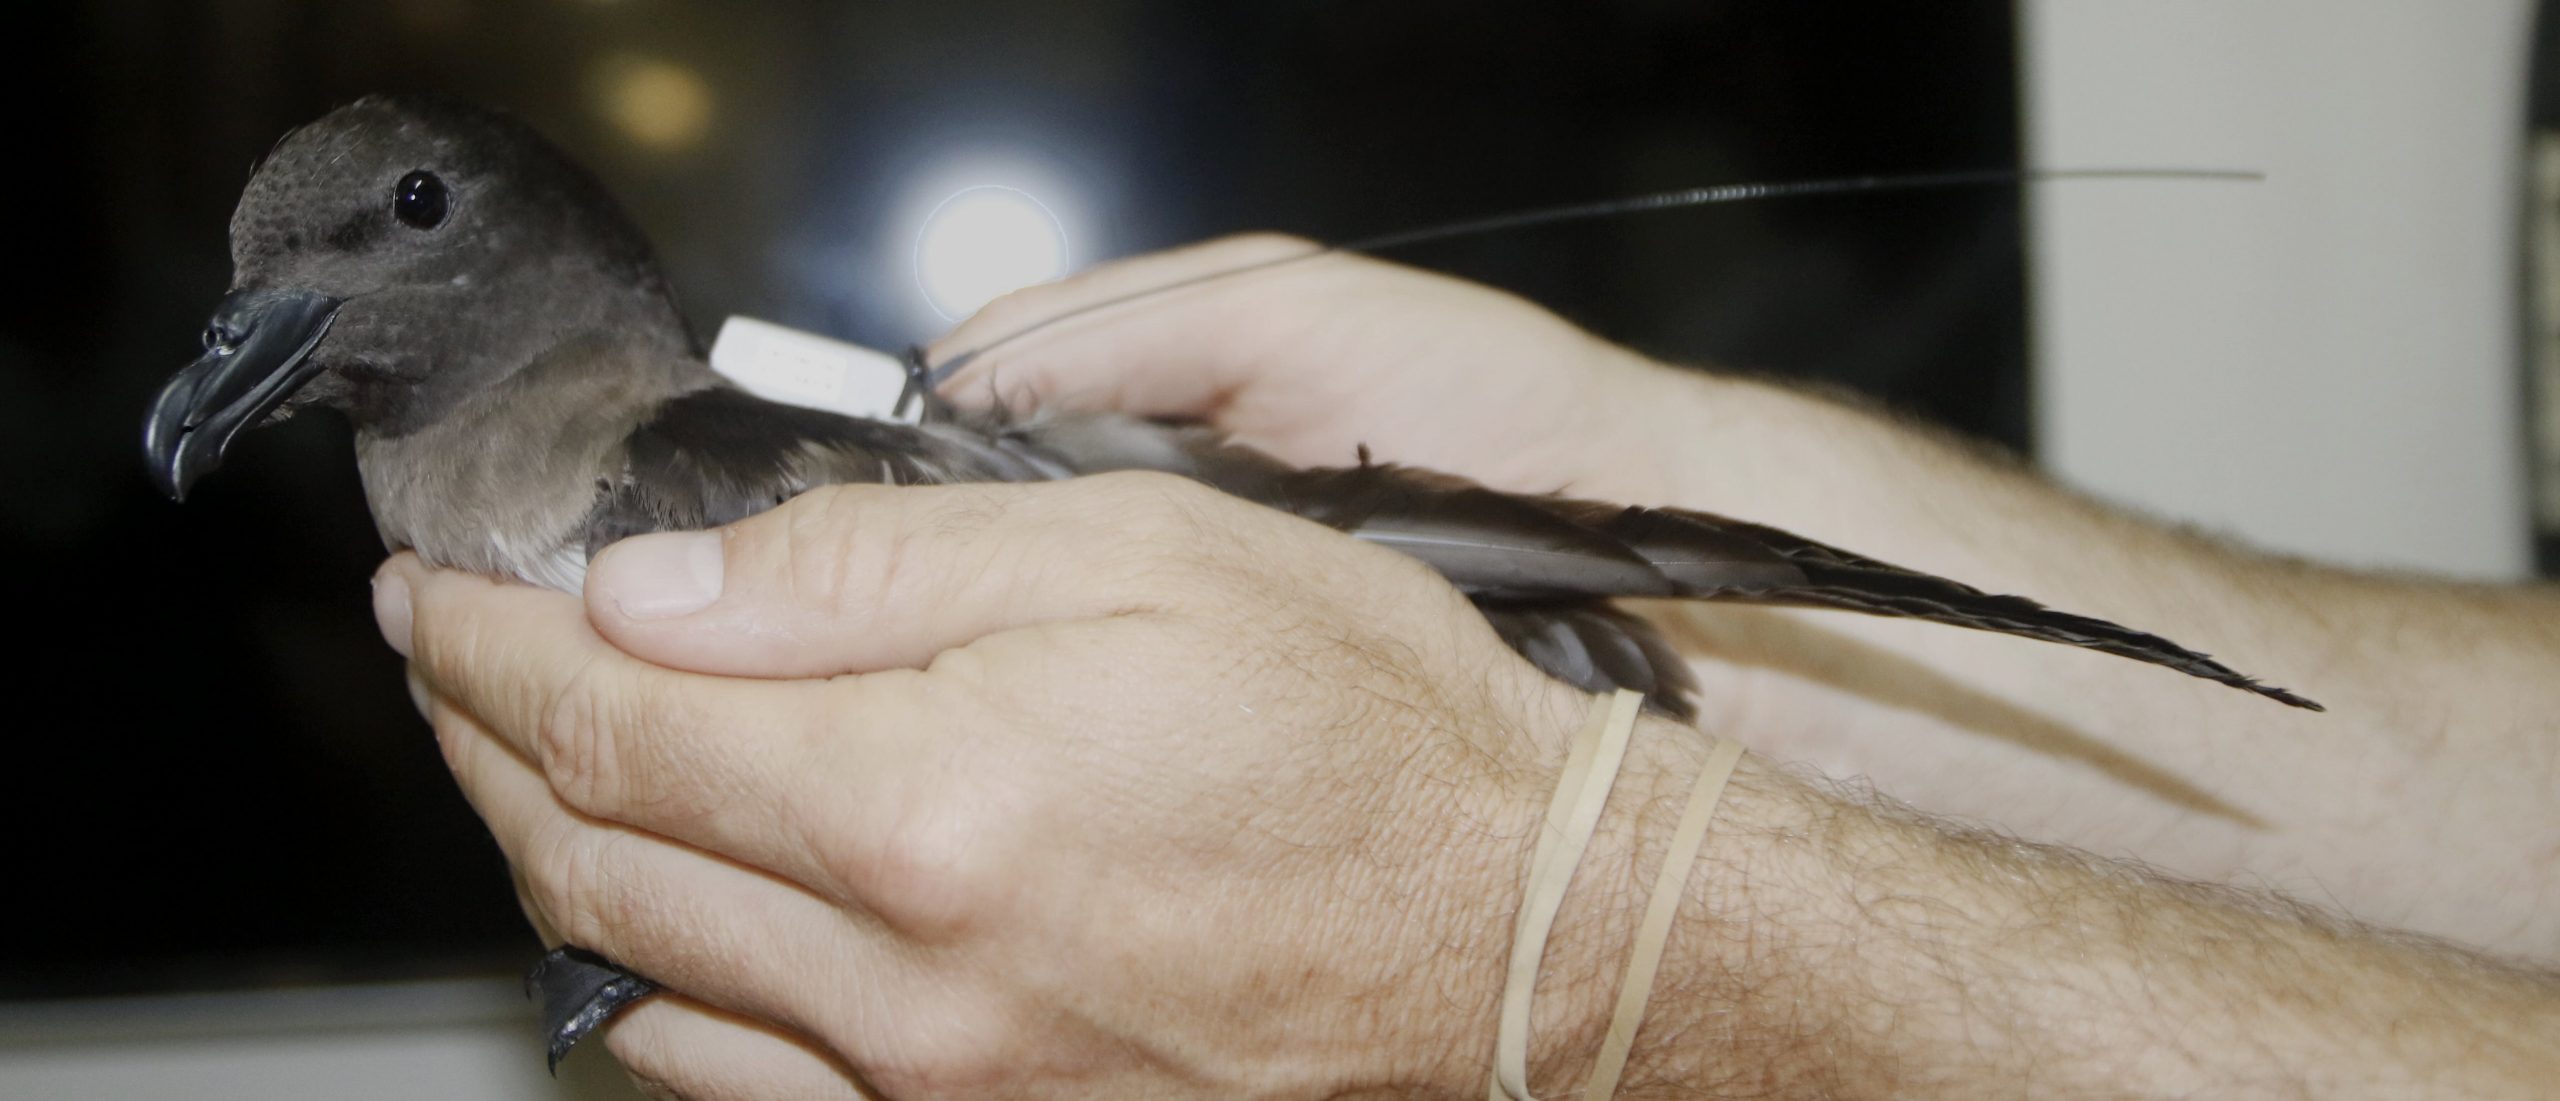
column 216, row 779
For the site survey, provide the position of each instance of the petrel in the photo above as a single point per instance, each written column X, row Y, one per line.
column 524, row 392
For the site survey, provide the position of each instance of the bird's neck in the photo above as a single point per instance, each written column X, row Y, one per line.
column 503, row 482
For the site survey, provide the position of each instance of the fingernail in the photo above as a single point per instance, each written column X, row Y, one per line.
column 662, row 576
column 419, row 697
column 391, row 610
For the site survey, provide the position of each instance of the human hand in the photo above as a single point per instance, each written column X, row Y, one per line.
column 1117, row 788
column 1312, row 359
column 1309, row 359
column 1113, row 787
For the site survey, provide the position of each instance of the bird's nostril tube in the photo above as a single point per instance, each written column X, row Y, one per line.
column 221, row 338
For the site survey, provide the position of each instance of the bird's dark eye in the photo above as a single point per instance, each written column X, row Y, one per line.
column 420, row 201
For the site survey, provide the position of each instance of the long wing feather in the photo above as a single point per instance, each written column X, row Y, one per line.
column 1539, row 567
column 1549, row 551
column 1508, row 552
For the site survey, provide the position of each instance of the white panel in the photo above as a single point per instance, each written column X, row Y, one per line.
column 410, row 1042
column 2323, row 363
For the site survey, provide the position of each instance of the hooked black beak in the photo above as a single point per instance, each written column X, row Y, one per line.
column 257, row 352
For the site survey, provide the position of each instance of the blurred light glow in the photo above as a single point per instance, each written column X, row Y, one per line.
column 657, row 104
column 984, row 241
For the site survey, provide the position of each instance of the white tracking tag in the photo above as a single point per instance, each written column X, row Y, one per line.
column 783, row 364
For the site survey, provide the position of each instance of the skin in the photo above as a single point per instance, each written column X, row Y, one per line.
column 2439, row 693
column 966, row 791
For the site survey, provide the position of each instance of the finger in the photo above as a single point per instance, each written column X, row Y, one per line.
column 533, row 914
column 675, row 1047
column 864, row 578
column 727, row 934
column 742, row 768
column 1167, row 354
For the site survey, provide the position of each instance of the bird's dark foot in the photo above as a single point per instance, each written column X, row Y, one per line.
column 580, row 991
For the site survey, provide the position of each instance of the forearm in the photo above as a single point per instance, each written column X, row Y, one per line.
column 2371, row 645
column 2419, row 800
column 1830, row 948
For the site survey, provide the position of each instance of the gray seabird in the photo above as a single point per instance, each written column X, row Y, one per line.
column 523, row 392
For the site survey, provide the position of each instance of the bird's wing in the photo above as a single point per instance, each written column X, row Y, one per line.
column 1534, row 563
column 1540, row 578
column 1505, row 547
column 1596, row 647
column 720, row 455
column 1834, row 578
column 1532, row 555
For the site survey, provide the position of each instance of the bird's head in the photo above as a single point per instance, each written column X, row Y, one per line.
column 392, row 259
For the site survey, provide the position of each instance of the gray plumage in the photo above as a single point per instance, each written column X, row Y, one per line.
column 524, row 392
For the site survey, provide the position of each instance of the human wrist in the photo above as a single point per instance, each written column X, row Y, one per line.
column 1492, row 837
column 1734, row 982
column 1827, row 938
column 1818, row 931
column 1691, row 437
column 1595, row 930
column 1746, row 999
column 1622, row 433
column 1725, row 443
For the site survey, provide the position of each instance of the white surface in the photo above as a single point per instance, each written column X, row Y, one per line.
column 2324, row 363
column 419, row 1041
column 787, row 365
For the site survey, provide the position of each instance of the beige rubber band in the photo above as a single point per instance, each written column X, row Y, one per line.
column 1590, row 769
column 1645, row 959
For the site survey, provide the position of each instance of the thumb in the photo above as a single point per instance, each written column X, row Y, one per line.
column 1174, row 353
column 856, row 579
